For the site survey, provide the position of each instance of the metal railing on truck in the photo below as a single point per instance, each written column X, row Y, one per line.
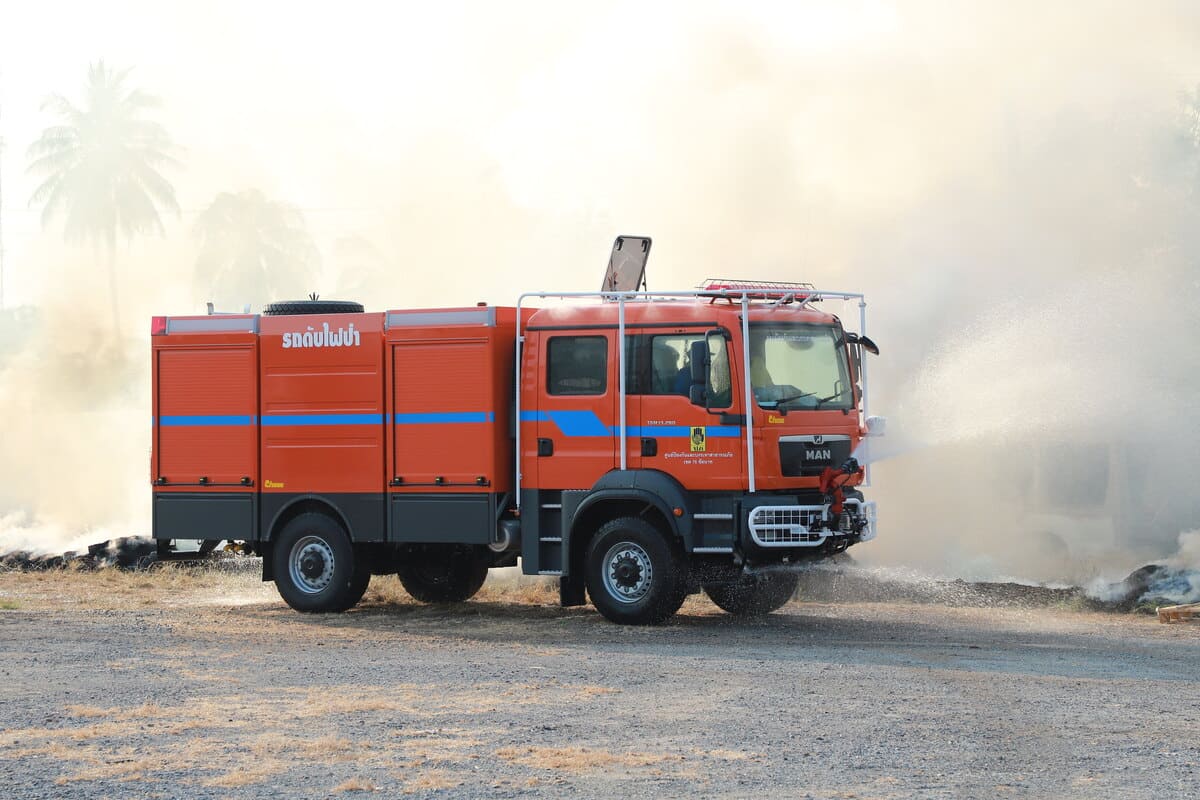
column 743, row 291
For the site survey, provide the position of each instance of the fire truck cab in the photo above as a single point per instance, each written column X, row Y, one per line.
column 639, row 446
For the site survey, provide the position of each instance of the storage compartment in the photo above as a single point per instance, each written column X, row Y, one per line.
column 453, row 518
column 182, row 515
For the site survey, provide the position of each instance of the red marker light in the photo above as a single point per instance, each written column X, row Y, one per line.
column 158, row 326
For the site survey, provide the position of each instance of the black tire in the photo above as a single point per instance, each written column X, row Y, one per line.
column 443, row 573
column 316, row 568
column 753, row 596
column 295, row 307
column 619, row 557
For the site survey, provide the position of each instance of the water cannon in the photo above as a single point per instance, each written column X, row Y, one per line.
column 833, row 480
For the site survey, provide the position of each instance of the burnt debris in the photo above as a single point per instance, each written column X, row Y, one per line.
column 128, row 552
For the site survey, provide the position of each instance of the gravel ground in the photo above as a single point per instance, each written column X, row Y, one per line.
column 202, row 684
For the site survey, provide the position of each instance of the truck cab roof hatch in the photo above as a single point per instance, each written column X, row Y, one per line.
column 627, row 265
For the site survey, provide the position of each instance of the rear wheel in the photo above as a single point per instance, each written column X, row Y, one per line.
column 633, row 574
column 443, row 573
column 754, row 595
column 315, row 565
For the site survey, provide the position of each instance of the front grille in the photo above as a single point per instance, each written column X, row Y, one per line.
column 808, row 456
column 788, row 526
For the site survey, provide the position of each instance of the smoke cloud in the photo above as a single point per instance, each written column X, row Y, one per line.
column 1012, row 185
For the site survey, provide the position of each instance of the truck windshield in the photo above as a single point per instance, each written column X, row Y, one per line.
column 799, row 367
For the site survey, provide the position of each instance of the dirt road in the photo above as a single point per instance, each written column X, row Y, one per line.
column 204, row 685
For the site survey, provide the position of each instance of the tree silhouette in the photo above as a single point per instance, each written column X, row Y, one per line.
column 100, row 167
column 252, row 250
column 360, row 268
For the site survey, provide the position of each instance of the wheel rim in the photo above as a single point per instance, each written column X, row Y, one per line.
column 310, row 565
column 628, row 572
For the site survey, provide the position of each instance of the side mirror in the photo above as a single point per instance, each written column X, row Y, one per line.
column 863, row 341
column 697, row 395
column 698, row 359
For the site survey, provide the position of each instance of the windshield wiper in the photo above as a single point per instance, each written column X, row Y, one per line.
column 780, row 403
column 827, row 399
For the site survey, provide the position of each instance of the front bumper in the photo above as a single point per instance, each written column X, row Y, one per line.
column 812, row 525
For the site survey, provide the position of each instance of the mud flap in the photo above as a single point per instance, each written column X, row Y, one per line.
column 265, row 549
column 571, row 591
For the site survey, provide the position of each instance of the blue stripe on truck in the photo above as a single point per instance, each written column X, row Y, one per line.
column 434, row 418
column 572, row 423
column 586, row 423
column 205, row 420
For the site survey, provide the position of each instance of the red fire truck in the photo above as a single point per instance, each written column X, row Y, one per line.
column 637, row 445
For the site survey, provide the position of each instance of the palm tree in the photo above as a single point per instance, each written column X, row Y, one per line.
column 252, row 250
column 100, row 167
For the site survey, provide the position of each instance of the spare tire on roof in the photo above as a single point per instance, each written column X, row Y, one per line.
column 294, row 307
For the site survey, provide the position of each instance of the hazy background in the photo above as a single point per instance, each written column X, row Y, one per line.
column 1013, row 186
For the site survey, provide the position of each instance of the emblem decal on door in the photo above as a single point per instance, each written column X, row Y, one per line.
column 699, row 441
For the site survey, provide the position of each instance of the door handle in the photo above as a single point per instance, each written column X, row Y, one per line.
column 545, row 447
column 649, row 447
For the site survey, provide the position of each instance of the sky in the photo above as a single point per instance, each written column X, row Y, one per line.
column 992, row 175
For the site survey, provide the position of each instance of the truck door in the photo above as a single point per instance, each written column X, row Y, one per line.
column 576, row 414
column 701, row 449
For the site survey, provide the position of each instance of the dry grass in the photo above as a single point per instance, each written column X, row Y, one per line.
column 246, row 776
column 177, row 585
column 112, row 588
column 101, row 730
column 119, row 769
column 440, row 745
column 144, row 711
column 385, row 590
column 327, row 748
column 53, row 749
column 351, row 699
column 89, row 712
column 354, row 785
column 581, row 759
column 728, row 755
column 520, row 589
column 430, row 780
column 596, row 691
column 501, row 587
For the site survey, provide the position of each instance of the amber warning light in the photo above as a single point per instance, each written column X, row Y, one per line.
column 158, row 326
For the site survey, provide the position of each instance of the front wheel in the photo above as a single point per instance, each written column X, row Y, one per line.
column 633, row 574
column 443, row 573
column 315, row 565
column 754, row 595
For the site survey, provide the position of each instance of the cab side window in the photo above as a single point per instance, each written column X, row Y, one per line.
column 577, row 365
column 659, row 364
